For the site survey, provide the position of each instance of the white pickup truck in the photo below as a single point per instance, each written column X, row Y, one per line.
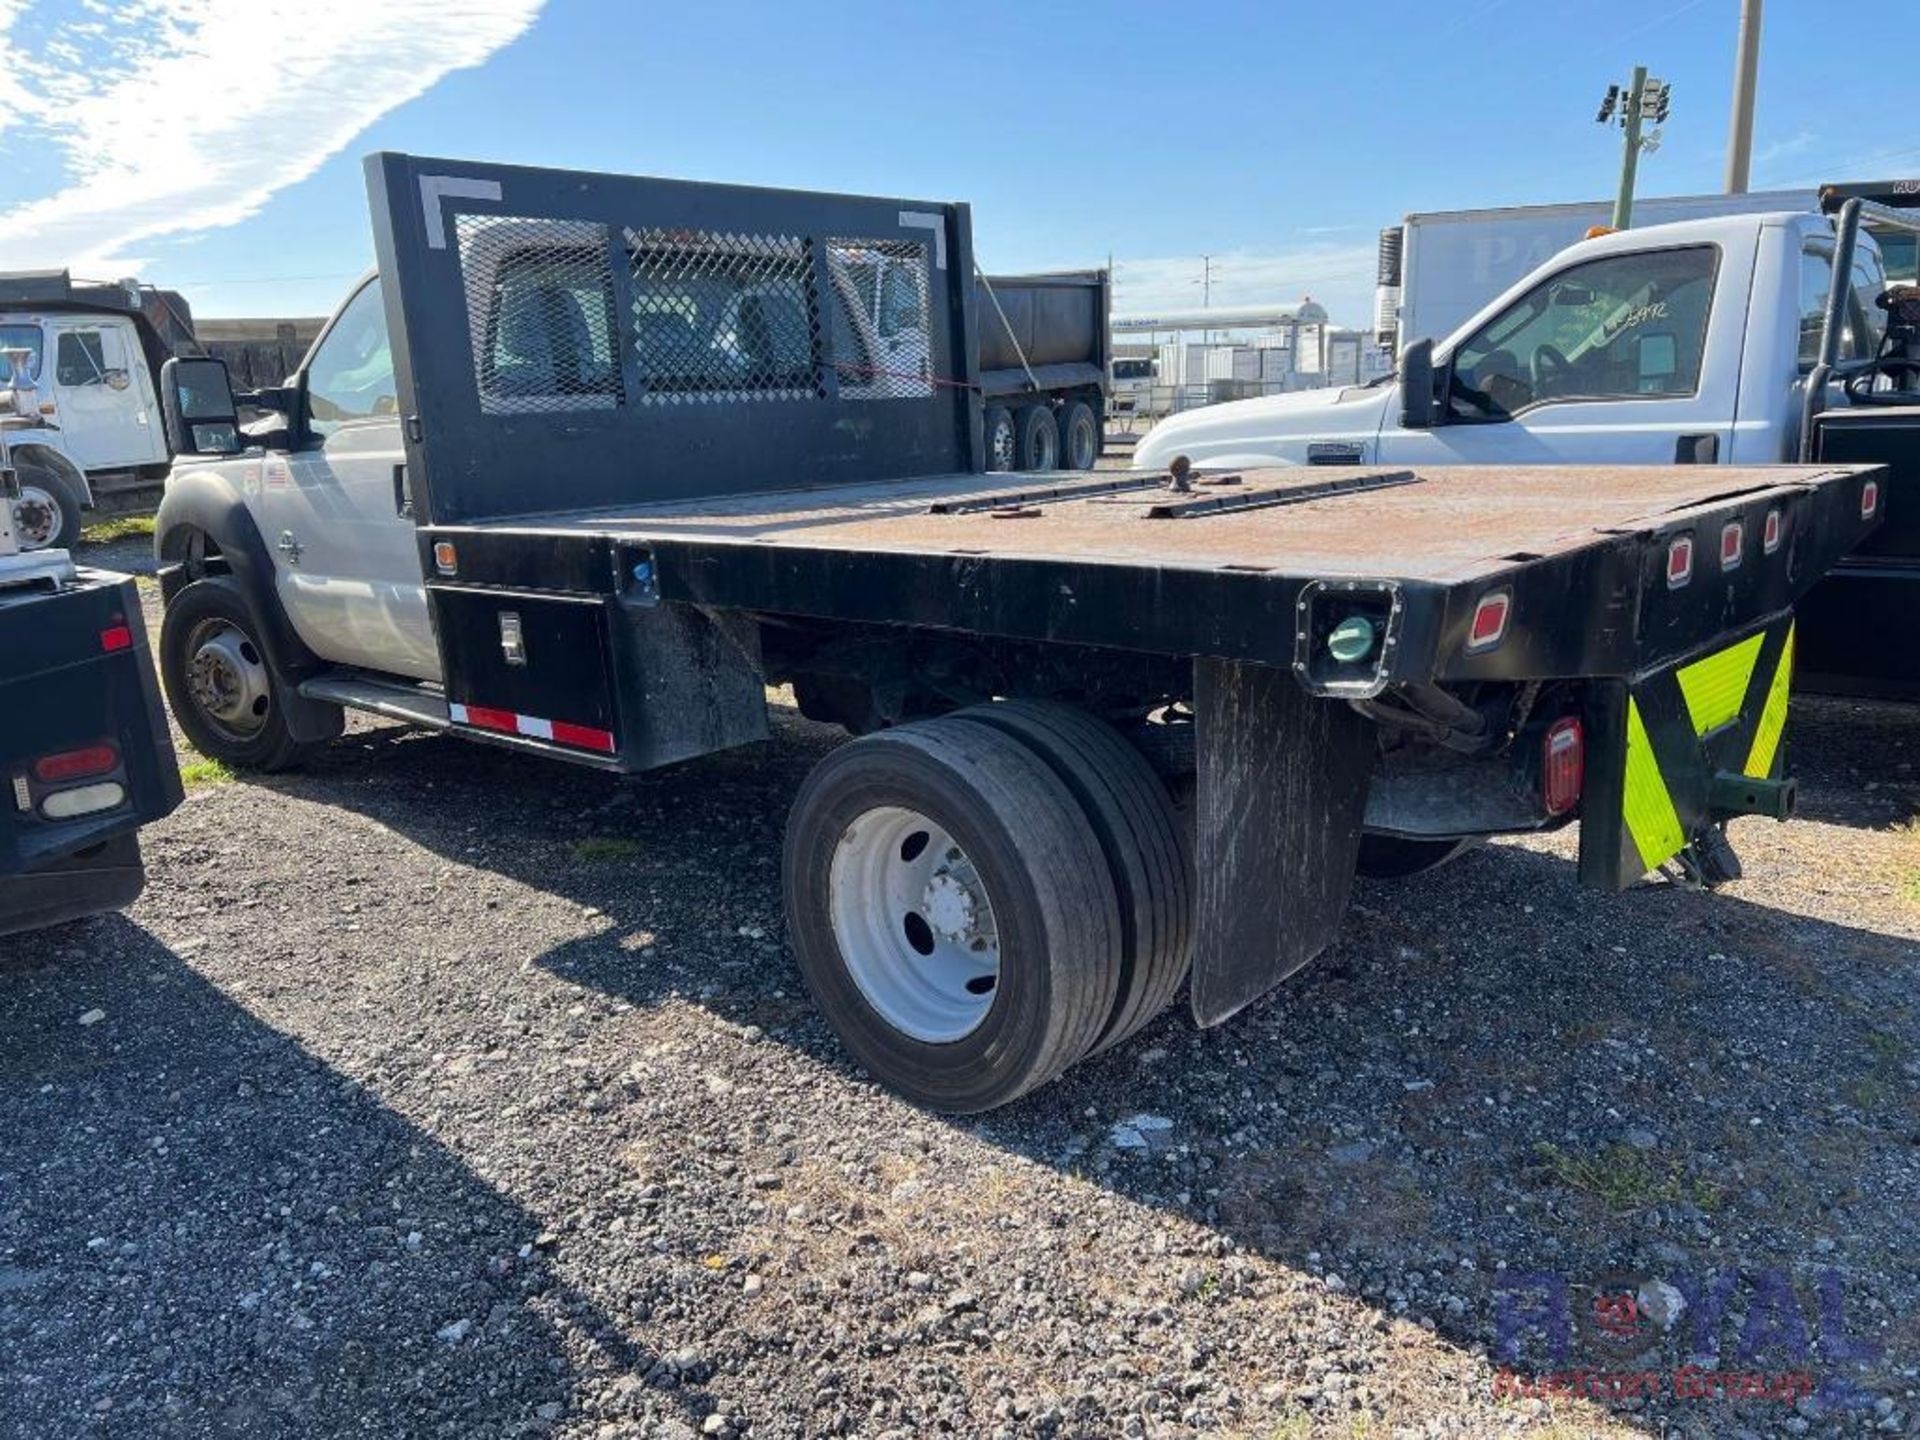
column 1692, row 342
column 1674, row 341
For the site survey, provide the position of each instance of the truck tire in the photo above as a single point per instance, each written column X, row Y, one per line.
column 1037, row 439
column 1134, row 820
column 47, row 514
column 1395, row 857
column 1079, row 437
column 220, row 685
column 1003, row 446
column 951, row 912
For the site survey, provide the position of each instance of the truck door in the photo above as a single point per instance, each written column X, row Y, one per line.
column 334, row 511
column 105, row 417
column 1615, row 360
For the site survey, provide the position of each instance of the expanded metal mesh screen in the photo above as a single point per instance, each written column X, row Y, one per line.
column 540, row 310
column 719, row 317
column 713, row 317
column 882, row 327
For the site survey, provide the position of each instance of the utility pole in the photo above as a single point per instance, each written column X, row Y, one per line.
column 1206, row 292
column 1746, row 71
column 1642, row 99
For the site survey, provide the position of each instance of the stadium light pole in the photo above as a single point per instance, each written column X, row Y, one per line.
column 1642, row 99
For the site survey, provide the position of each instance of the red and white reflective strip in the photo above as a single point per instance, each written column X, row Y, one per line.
column 560, row 732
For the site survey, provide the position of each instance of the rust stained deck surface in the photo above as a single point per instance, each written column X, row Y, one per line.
column 1450, row 523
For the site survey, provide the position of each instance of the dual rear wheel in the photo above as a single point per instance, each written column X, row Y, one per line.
column 979, row 901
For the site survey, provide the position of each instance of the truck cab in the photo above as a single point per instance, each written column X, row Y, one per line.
column 79, row 365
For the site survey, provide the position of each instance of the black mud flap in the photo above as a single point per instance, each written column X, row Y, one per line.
column 106, row 876
column 1675, row 752
column 1282, row 790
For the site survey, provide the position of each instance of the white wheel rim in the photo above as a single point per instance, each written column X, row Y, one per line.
column 36, row 518
column 227, row 679
column 914, row 925
column 1002, row 443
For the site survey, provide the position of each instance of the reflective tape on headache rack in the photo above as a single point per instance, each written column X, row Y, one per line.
column 507, row 722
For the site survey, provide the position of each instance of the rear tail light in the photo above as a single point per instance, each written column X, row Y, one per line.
column 1770, row 537
column 1563, row 764
column 1733, row 536
column 1679, row 561
column 1869, row 499
column 1489, row 625
column 83, row 800
column 67, row 765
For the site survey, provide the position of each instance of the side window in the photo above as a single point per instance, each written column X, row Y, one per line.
column 1816, row 279
column 1627, row 326
column 350, row 377
column 22, row 343
column 78, row 359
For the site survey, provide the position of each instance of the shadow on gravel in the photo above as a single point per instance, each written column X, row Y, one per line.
column 1494, row 1073
column 1856, row 760
column 185, row 1252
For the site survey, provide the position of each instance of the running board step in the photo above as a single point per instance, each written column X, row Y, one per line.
column 396, row 699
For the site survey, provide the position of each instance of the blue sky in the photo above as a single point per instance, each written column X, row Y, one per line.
column 214, row 145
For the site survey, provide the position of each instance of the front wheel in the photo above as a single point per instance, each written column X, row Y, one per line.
column 952, row 912
column 222, row 688
column 47, row 514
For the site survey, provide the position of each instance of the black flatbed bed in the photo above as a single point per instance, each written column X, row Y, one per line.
column 1120, row 559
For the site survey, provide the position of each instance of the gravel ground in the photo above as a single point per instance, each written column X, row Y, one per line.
column 434, row 1091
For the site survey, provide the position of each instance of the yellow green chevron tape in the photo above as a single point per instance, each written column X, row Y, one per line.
column 1773, row 716
column 1646, row 805
column 1716, row 687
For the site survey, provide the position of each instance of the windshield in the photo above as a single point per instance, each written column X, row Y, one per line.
column 20, row 337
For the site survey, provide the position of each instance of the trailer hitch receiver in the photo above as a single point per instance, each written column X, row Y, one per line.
column 1735, row 794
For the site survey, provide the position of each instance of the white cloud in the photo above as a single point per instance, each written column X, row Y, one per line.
column 177, row 116
column 1340, row 277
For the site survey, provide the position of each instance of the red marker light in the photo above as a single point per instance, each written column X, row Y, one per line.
column 1489, row 625
column 1679, row 561
column 1869, row 499
column 1563, row 764
column 118, row 636
column 1770, row 537
column 67, row 765
column 1732, row 536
